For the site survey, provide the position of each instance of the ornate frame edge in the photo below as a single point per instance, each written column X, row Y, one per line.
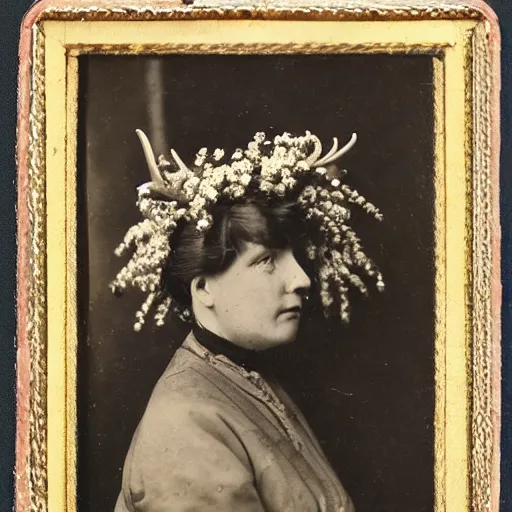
column 110, row 10
column 30, row 484
column 485, row 266
column 486, row 284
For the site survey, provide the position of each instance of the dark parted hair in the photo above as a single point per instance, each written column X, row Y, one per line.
column 276, row 225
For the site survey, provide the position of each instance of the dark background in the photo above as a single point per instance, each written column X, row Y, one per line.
column 10, row 18
column 367, row 390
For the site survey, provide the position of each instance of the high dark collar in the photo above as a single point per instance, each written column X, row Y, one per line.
column 248, row 359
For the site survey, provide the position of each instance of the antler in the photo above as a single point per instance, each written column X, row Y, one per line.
column 170, row 189
column 330, row 152
column 333, row 153
column 157, row 183
column 179, row 161
column 311, row 159
column 154, row 172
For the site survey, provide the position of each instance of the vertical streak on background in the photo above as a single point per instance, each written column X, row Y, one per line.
column 155, row 104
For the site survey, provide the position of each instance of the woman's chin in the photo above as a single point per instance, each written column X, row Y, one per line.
column 287, row 332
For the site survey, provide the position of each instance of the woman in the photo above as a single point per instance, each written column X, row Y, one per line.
column 222, row 246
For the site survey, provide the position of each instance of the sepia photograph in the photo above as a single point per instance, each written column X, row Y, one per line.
column 258, row 266
column 281, row 208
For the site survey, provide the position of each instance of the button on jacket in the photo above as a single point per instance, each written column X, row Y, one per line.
column 209, row 440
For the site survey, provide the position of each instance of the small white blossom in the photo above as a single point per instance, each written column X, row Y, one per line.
column 217, row 177
column 280, row 189
column 266, row 186
column 211, row 194
column 163, row 162
column 245, row 179
column 218, row 154
column 289, row 182
column 231, row 175
column 302, row 165
column 198, row 202
column 335, row 182
column 202, row 224
column 279, row 152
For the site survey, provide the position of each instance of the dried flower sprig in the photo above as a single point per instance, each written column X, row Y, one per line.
column 286, row 167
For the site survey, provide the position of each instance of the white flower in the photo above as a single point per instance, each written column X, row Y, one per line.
column 321, row 170
column 217, row 177
column 269, row 167
column 218, row 154
column 245, row 179
column 238, row 191
column 289, row 182
column 259, row 137
column 231, row 175
column 202, row 224
column 162, row 161
column 302, row 165
column 207, row 189
column 266, row 186
column 335, row 182
column 279, row 152
column 280, row 189
column 200, row 157
column 237, row 155
column 285, row 138
column 242, row 166
column 211, row 194
column 198, row 202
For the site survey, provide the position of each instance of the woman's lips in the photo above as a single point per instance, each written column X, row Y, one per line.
column 294, row 311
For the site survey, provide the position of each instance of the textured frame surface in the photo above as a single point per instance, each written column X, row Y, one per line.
column 483, row 241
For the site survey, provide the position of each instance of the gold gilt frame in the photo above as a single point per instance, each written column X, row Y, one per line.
column 462, row 38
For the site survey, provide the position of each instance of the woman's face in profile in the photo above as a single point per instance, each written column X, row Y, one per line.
column 258, row 299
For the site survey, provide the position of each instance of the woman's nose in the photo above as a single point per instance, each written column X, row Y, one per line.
column 297, row 279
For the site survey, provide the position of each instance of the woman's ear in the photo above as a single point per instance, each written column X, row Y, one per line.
column 201, row 291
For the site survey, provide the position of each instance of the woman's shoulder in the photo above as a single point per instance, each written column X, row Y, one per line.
column 186, row 377
column 188, row 384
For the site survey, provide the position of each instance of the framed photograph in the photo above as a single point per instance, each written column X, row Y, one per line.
column 258, row 257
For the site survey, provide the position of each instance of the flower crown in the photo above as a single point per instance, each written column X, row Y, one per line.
column 285, row 168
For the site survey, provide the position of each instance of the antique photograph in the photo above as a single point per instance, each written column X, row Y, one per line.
column 285, row 192
column 259, row 271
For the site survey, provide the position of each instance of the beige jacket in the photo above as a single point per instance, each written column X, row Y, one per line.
column 211, row 439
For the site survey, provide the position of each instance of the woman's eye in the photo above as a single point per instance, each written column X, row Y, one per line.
column 268, row 262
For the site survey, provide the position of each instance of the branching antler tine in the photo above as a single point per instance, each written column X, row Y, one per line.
column 342, row 151
column 311, row 159
column 150, row 158
column 179, row 161
column 330, row 153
